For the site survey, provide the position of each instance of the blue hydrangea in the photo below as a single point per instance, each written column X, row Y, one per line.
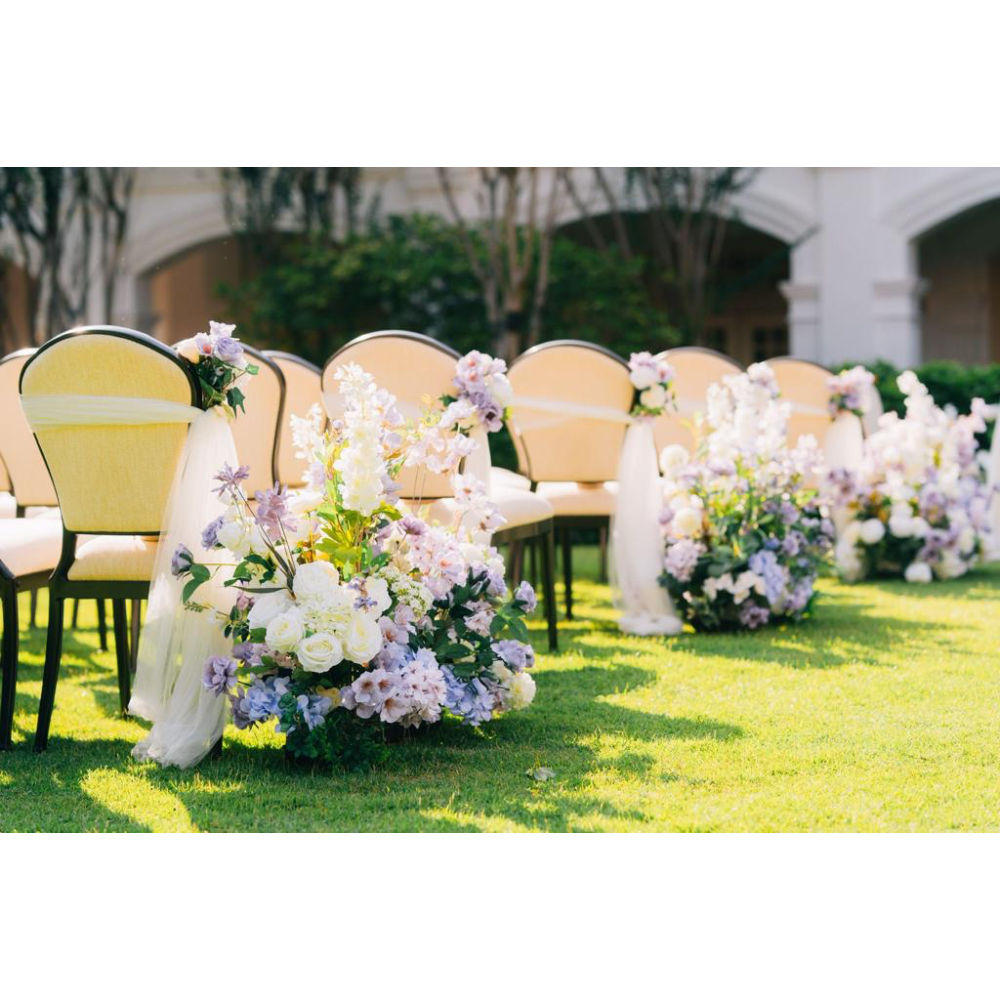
column 765, row 564
column 472, row 701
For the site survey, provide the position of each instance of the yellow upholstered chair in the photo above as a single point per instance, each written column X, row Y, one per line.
column 30, row 483
column 418, row 370
column 571, row 461
column 804, row 385
column 303, row 389
column 695, row 369
column 113, row 481
column 29, row 550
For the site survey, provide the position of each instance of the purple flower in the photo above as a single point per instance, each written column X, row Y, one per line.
column 210, row 536
column 181, row 562
column 220, row 673
column 231, row 480
column 472, row 701
column 525, row 596
column 765, row 564
column 753, row 615
column 682, row 558
column 272, row 513
column 517, row 655
column 228, row 349
column 411, row 525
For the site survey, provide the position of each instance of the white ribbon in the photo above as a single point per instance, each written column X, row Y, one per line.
column 636, row 542
column 187, row 719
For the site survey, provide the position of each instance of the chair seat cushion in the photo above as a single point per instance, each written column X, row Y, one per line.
column 30, row 545
column 519, row 507
column 580, row 499
column 8, row 505
column 114, row 557
column 505, row 478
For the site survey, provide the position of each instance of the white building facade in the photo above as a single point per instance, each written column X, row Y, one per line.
column 895, row 263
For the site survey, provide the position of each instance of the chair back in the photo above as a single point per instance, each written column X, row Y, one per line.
column 112, row 479
column 255, row 431
column 303, row 389
column 30, row 481
column 417, row 370
column 574, row 448
column 804, row 385
column 695, row 368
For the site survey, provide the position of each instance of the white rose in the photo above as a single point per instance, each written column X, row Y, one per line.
column 673, row 457
column 966, row 540
column 268, row 606
column 363, row 639
column 901, row 527
column 872, row 531
column 232, row 534
column 285, row 631
column 317, row 653
column 378, row 590
column 654, row 397
column 315, row 579
column 686, row 522
column 188, row 350
column 643, row 378
column 918, row 572
column 305, row 501
column 919, row 527
column 521, row 690
column 501, row 390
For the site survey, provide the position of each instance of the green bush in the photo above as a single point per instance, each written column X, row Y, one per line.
column 411, row 273
column 947, row 381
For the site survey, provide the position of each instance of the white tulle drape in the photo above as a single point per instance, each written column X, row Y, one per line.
column 645, row 608
column 844, row 443
column 187, row 719
column 993, row 481
column 636, row 559
column 175, row 642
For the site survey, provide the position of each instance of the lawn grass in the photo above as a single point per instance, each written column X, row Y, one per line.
column 879, row 713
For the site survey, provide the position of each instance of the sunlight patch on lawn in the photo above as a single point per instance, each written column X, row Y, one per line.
column 137, row 799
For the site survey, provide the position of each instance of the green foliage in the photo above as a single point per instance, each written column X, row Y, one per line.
column 947, row 381
column 343, row 741
column 411, row 273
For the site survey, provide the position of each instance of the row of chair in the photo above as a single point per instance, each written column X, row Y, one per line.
column 111, row 483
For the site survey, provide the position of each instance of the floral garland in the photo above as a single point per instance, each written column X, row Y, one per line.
column 219, row 362
column 745, row 539
column 652, row 378
column 356, row 618
column 848, row 391
column 918, row 505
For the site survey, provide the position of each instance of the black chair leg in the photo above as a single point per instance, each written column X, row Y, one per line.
column 516, row 562
column 50, row 674
column 120, row 618
column 76, row 614
column 8, row 666
column 567, row 560
column 603, row 572
column 548, row 544
column 135, row 620
column 533, row 547
column 102, row 625
column 34, row 609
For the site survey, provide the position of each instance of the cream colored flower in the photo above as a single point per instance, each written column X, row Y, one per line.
column 285, row 631
column 319, row 652
column 363, row 638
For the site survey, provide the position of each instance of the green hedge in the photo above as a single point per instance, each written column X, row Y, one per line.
column 947, row 381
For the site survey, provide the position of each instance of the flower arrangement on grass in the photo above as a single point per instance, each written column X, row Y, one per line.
column 918, row 505
column 652, row 378
column 848, row 390
column 745, row 539
column 355, row 618
column 219, row 362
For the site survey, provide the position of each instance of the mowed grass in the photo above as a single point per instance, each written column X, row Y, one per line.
column 879, row 713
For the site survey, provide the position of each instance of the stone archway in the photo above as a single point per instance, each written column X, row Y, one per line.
column 958, row 261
